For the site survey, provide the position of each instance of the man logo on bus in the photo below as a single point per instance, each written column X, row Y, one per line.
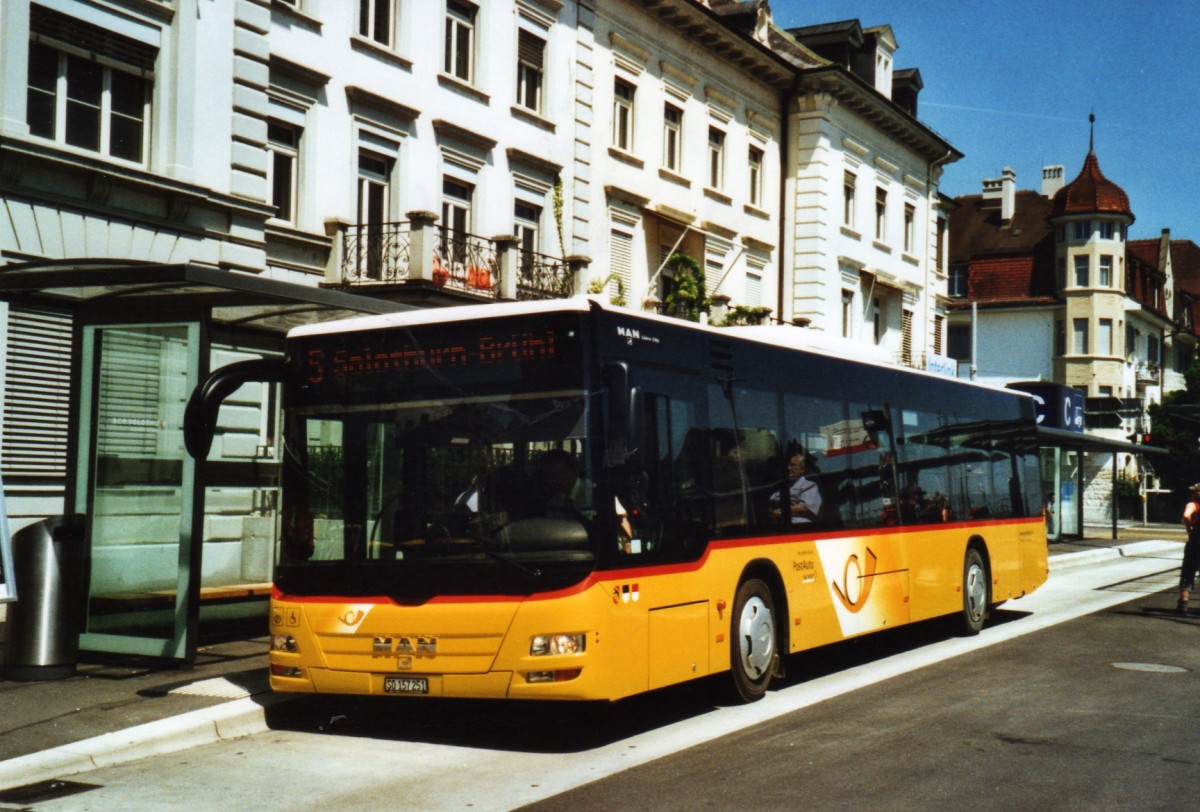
column 856, row 582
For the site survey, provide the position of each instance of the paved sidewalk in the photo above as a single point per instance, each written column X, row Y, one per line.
column 118, row 709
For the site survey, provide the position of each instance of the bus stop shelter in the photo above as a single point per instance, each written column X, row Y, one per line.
column 174, row 543
column 1062, row 473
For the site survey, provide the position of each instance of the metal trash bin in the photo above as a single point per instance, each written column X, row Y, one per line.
column 52, row 571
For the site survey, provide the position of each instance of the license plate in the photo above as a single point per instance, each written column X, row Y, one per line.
column 405, row 685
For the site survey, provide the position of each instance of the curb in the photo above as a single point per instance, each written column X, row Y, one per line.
column 230, row 720
column 1083, row 558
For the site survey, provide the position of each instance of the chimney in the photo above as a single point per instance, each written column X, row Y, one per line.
column 1008, row 194
column 1052, row 180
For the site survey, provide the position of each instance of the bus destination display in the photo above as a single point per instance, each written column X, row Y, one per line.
column 381, row 360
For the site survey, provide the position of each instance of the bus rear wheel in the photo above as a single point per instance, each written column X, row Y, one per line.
column 975, row 593
column 753, row 639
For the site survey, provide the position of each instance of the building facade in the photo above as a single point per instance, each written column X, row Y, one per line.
column 1047, row 288
column 182, row 181
column 866, row 235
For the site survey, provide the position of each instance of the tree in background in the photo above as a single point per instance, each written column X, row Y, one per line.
column 1173, row 428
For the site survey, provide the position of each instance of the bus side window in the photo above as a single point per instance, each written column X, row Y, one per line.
column 666, row 490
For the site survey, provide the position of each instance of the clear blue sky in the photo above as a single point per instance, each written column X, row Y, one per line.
column 1012, row 84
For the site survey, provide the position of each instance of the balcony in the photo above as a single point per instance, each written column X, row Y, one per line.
column 1147, row 373
column 419, row 256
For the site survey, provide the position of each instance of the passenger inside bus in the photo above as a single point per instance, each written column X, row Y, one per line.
column 803, row 494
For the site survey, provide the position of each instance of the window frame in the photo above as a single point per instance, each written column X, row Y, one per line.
column 956, row 280
column 1083, row 265
column 672, row 138
column 1106, row 271
column 849, row 198
column 910, row 223
column 67, row 103
column 527, row 229
column 377, row 22
column 624, row 110
column 457, row 209
column 754, row 175
column 881, row 206
column 280, row 151
column 459, row 42
column 531, row 73
column 716, row 158
column 1105, row 329
column 1080, row 336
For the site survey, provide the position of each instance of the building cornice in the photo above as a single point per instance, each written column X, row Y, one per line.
column 852, row 94
column 709, row 34
column 18, row 157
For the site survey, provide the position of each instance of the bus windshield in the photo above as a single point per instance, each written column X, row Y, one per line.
column 480, row 484
column 439, row 459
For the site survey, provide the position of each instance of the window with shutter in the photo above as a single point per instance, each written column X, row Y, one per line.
column 621, row 251
column 906, row 340
column 530, row 57
column 36, row 394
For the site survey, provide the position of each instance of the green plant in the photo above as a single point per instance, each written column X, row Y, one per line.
column 1175, row 430
column 1127, row 487
column 742, row 315
column 688, row 296
column 558, row 214
column 600, row 284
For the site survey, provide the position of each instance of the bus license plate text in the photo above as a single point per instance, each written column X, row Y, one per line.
column 405, row 685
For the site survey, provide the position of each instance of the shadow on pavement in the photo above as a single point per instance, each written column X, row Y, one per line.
column 550, row 727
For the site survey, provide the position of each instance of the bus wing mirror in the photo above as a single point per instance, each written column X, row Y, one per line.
column 624, row 415
column 200, row 415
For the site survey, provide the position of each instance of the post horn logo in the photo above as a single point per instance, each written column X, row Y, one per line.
column 856, row 582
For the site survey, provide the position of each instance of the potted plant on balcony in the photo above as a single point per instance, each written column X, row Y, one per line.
column 479, row 278
column 440, row 274
column 687, row 298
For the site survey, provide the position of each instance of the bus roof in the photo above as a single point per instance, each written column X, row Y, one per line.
column 780, row 335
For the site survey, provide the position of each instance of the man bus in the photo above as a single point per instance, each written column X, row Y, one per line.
column 423, row 552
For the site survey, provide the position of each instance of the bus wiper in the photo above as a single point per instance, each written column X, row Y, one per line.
column 496, row 555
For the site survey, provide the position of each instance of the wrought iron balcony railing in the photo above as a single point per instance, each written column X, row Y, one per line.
column 465, row 262
column 376, row 253
column 542, row 277
column 418, row 251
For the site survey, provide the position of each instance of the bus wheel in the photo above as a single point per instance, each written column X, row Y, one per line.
column 752, row 640
column 975, row 593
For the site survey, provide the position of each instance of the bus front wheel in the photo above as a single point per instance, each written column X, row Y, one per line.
column 752, row 640
column 975, row 593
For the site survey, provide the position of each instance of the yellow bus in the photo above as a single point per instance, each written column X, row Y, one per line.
column 565, row 500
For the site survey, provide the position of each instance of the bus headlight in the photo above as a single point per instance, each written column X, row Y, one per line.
column 544, row 644
column 284, row 642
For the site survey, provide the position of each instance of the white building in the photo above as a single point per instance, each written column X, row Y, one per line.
column 865, row 234
column 182, row 181
column 687, row 144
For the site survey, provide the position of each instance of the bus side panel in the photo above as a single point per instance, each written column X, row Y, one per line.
column 614, row 617
column 867, row 582
column 677, row 648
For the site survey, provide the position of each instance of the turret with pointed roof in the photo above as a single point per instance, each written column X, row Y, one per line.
column 1091, row 192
